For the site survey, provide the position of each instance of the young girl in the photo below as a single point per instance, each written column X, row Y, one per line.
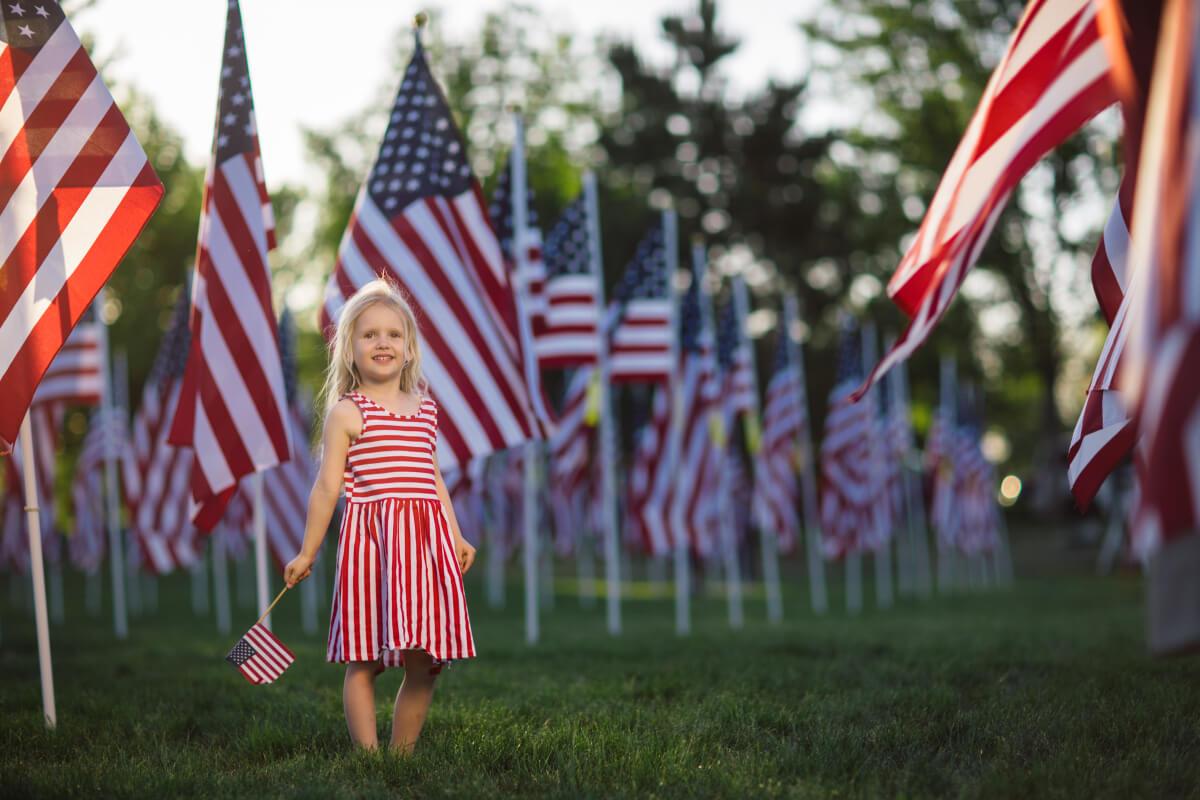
column 398, row 592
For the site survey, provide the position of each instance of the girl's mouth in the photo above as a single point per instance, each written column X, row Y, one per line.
column 381, row 358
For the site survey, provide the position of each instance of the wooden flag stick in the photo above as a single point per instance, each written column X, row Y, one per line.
column 278, row 597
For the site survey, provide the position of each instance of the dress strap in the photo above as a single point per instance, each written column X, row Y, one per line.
column 362, row 401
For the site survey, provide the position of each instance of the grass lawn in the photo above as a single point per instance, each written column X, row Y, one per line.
column 1041, row 691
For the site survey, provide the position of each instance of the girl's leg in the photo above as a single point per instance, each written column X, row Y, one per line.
column 412, row 701
column 358, row 698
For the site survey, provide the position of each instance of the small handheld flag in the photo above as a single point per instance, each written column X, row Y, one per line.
column 259, row 655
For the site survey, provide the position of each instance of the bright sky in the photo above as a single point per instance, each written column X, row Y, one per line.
column 314, row 63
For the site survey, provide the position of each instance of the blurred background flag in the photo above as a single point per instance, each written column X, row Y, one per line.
column 231, row 410
column 570, row 336
column 639, row 317
column 420, row 220
column 776, row 484
column 77, row 190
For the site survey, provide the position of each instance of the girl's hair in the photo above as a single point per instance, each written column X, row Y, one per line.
column 342, row 374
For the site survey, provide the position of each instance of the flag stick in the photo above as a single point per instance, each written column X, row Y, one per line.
column 813, row 549
column 267, row 613
column 34, row 528
column 260, row 547
column 608, row 422
column 112, row 507
column 683, row 612
column 520, row 209
column 882, row 555
column 768, row 540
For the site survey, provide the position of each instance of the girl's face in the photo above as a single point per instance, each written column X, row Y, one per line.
column 379, row 345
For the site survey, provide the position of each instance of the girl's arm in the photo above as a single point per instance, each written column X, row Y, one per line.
column 463, row 550
column 341, row 425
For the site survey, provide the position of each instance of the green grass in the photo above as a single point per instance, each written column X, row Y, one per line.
column 1042, row 691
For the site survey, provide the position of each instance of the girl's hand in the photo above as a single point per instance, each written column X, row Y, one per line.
column 297, row 569
column 465, row 553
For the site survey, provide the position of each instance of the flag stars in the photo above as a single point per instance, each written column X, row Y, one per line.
column 238, row 99
column 16, row 10
column 25, row 31
column 41, row 12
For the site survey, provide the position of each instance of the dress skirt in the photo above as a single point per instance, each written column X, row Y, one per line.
column 397, row 585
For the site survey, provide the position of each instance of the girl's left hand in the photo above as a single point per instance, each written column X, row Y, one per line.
column 465, row 553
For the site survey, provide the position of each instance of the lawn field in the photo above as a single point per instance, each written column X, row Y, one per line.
column 1044, row 690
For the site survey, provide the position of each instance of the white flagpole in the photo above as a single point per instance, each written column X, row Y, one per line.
column 520, row 208
column 948, row 390
column 34, row 528
column 608, row 421
column 260, row 550
column 733, row 572
column 108, row 406
column 768, row 542
column 882, row 557
column 683, row 613
column 220, row 579
column 813, row 549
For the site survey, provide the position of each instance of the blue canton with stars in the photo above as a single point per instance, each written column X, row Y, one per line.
column 236, row 125
column 646, row 275
column 501, row 210
column 849, row 363
column 422, row 154
column 27, row 25
column 241, row 653
column 727, row 335
column 566, row 250
column 691, row 318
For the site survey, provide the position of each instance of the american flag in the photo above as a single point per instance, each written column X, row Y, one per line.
column 776, row 483
column 692, row 504
column 571, row 449
column 1160, row 378
column 639, row 317
column 1052, row 78
column 571, row 334
column 260, row 656
column 736, row 398
column 420, row 220
column 286, row 487
column 650, row 479
column 231, row 409
column 74, row 376
column 156, row 474
column 107, row 432
column 736, row 362
column 849, row 505
column 45, row 421
column 77, row 190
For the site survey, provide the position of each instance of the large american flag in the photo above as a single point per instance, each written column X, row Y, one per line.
column 776, row 483
column 849, row 505
column 570, row 336
column 77, row 189
column 156, row 474
column 1052, row 78
column 420, row 220
column 639, row 317
column 231, row 409
column 260, row 656
column 1161, row 379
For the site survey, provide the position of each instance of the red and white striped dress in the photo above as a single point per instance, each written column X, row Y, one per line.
column 398, row 585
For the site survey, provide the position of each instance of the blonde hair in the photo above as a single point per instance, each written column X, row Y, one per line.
column 342, row 374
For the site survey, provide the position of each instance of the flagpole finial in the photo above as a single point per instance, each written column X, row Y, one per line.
column 420, row 21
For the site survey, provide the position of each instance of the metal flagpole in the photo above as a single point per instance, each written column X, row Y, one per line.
column 683, row 612
column 882, row 555
column 608, row 420
column 112, row 509
column 733, row 572
column 520, row 208
column 260, row 550
column 768, row 542
column 220, row 579
column 34, row 528
column 813, row 550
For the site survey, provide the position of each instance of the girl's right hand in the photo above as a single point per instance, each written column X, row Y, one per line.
column 297, row 569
